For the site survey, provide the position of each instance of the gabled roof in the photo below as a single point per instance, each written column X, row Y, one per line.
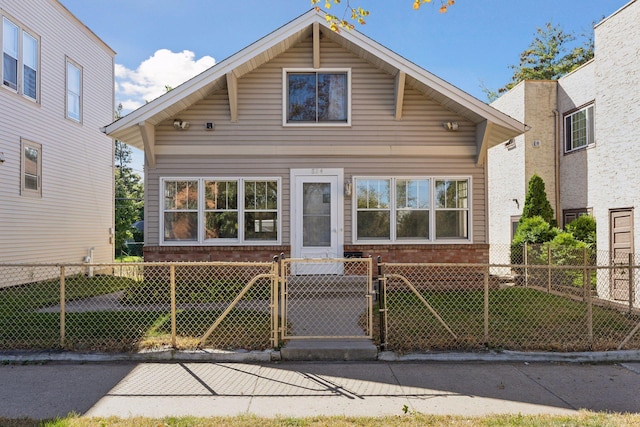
column 138, row 127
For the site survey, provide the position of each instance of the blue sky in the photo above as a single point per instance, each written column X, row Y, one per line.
column 164, row 42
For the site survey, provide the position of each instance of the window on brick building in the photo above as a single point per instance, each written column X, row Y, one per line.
column 579, row 129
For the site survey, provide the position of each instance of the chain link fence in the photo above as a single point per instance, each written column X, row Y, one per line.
column 327, row 298
column 131, row 307
column 550, row 299
column 556, row 301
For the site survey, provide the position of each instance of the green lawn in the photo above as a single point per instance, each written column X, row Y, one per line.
column 145, row 321
column 519, row 319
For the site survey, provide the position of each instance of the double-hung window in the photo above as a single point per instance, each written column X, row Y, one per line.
column 317, row 97
column 452, row 208
column 20, row 59
column 181, row 211
column 411, row 209
column 221, row 210
column 31, row 165
column 74, row 91
column 579, row 129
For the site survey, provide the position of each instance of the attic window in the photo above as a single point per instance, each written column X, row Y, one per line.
column 317, row 97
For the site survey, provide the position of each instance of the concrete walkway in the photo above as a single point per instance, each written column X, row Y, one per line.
column 298, row 389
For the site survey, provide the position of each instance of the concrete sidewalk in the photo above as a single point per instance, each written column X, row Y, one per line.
column 302, row 389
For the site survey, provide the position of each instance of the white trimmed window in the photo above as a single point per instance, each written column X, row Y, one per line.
column 31, row 167
column 579, row 129
column 215, row 211
column 74, row 91
column 411, row 209
column 317, row 97
column 20, row 59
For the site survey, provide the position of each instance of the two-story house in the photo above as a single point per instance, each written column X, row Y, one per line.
column 582, row 143
column 56, row 166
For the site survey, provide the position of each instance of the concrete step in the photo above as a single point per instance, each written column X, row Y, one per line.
column 329, row 349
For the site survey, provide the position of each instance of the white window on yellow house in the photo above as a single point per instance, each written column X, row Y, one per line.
column 20, row 59
column 317, row 97
column 411, row 209
column 221, row 211
column 31, row 169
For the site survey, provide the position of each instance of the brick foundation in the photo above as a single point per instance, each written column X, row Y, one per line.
column 466, row 254
column 213, row 253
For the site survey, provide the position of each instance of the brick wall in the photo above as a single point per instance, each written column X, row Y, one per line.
column 478, row 253
column 213, row 253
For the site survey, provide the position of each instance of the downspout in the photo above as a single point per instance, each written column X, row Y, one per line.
column 556, row 164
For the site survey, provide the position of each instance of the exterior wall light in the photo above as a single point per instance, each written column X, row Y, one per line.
column 450, row 126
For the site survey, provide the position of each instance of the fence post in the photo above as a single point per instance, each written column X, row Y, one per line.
column 62, row 307
column 584, row 275
column 486, row 304
column 282, row 281
column 631, row 287
column 172, row 284
column 586, row 284
column 526, row 272
column 549, row 269
column 275, row 279
column 382, row 302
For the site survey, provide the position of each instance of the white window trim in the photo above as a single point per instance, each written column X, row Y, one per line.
column 393, row 208
column 22, row 30
column 201, row 240
column 24, row 191
column 285, row 98
column 68, row 61
column 589, row 136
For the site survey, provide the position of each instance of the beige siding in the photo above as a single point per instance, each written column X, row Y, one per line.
column 260, row 124
column 75, row 212
column 373, row 120
column 363, row 166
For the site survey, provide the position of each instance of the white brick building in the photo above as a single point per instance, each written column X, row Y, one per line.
column 582, row 142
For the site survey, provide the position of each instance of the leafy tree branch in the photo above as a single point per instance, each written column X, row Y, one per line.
column 357, row 14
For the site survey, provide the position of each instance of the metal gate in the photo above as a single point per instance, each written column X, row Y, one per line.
column 327, row 298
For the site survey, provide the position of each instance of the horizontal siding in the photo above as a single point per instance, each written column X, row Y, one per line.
column 373, row 110
column 239, row 167
column 76, row 208
column 260, row 124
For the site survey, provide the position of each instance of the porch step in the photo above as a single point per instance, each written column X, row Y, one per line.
column 329, row 349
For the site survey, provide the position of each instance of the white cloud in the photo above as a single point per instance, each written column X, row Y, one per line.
column 149, row 80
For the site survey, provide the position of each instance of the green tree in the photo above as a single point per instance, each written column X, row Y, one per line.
column 536, row 202
column 358, row 14
column 549, row 56
column 129, row 193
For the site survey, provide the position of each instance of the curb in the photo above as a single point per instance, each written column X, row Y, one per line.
column 620, row 356
column 517, row 356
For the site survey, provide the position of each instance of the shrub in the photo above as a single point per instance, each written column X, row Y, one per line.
column 583, row 229
column 536, row 202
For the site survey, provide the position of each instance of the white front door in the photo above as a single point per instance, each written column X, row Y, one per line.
column 316, row 213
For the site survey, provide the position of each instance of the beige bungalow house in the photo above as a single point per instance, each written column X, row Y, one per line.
column 315, row 144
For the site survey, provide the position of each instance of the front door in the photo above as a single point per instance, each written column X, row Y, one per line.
column 316, row 213
column 621, row 241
